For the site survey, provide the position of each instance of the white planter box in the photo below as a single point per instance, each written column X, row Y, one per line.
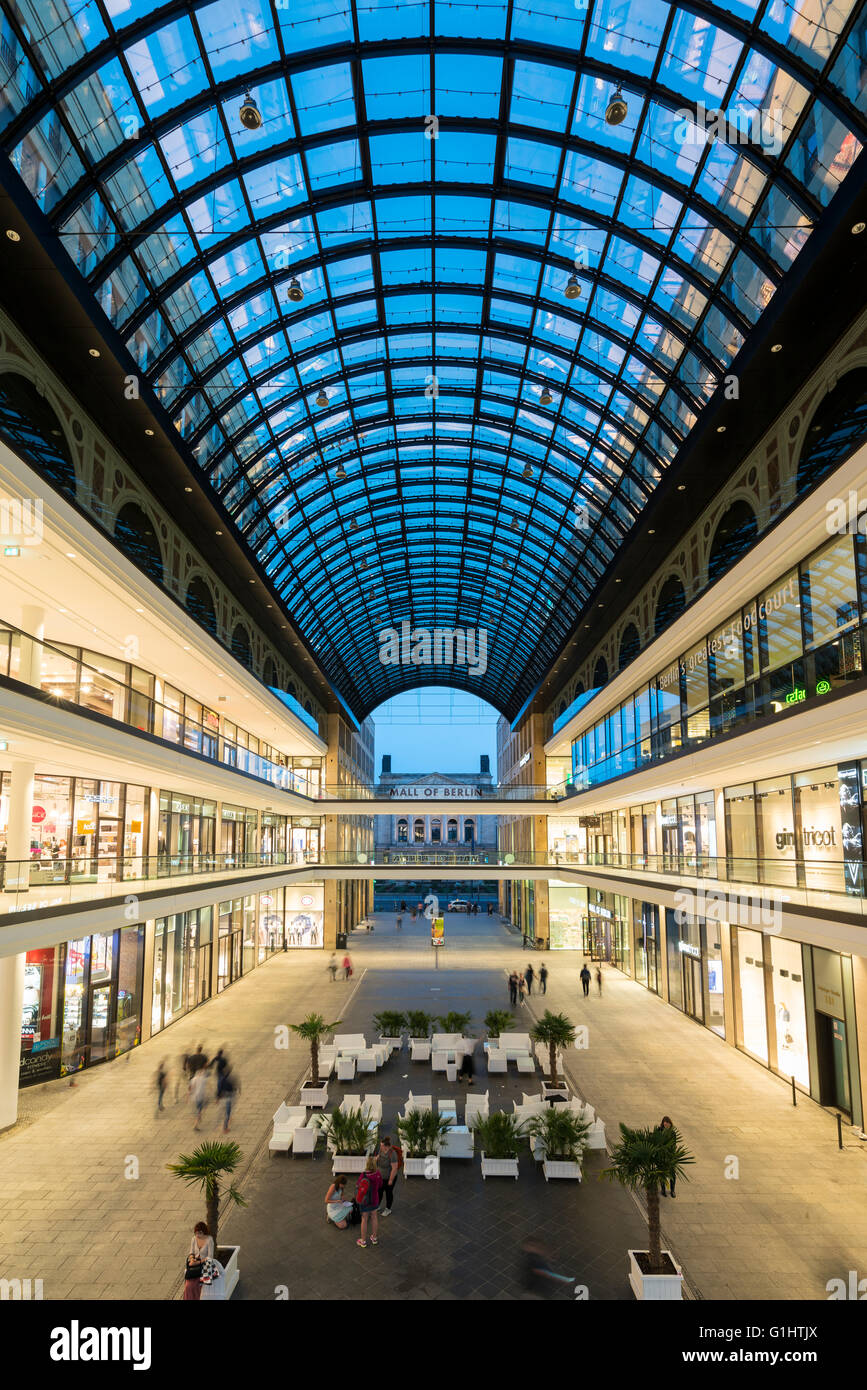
column 315, row 1096
column 428, row 1167
column 499, row 1167
column 350, row 1163
column 561, row 1089
column 655, row 1287
column 561, row 1168
column 224, row 1286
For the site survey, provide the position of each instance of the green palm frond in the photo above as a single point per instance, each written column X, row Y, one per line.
column 498, row 1021
column 554, row 1028
column 454, row 1022
column 644, row 1159
column 314, row 1027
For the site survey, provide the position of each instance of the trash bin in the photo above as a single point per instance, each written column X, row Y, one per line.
column 341, row 941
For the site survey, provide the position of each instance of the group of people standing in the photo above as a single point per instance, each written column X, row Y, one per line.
column 345, row 966
column 374, row 1193
column 199, row 1073
column 585, row 977
column 521, row 983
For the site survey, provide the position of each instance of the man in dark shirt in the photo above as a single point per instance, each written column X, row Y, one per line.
column 195, row 1062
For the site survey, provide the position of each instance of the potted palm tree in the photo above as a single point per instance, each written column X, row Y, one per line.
column 419, row 1024
column 205, row 1167
column 390, row 1025
column 350, row 1135
column 421, row 1133
column 561, row 1137
column 314, row 1028
column 556, row 1032
column 499, row 1021
column 454, row 1022
column 643, row 1161
column 499, row 1136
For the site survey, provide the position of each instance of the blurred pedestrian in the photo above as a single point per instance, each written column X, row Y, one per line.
column 399, row 922
column 529, row 976
column 197, row 1061
column 543, row 979
column 585, row 979
column 539, row 1277
column 332, row 967
column 220, row 1064
column 199, row 1093
column 599, row 978
column 522, row 990
column 228, row 1095
column 667, row 1127
column 513, row 987
column 161, row 1081
column 347, row 967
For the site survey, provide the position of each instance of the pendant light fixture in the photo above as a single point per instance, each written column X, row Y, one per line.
column 546, row 398
column 573, row 289
column 615, row 112
column 322, row 398
column 353, row 525
column 340, row 474
column 296, row 294
column 251, row 116
column 528, row 472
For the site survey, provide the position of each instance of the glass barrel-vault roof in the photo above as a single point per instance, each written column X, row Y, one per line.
column 432, row 174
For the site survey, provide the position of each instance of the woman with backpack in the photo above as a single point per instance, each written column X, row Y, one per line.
column 368, row 1197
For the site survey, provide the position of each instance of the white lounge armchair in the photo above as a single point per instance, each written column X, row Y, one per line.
column 372, row 1106
column 419, row 1050
column 368, row 1060
column 304, row 1140
column 287, row 1119
column 526, row 1064
column 417, row 1103
column 439, row 1060
column 350, row 1103
column 496, row 1061
column 327, row 1060
column 596, row 1135
column 477, row 1107
column 346, row 1069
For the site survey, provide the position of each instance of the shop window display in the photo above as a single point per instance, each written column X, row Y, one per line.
column 751, row 980
column 790, row 1011
column 567, row 904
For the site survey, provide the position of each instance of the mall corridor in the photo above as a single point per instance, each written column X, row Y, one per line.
column 787, row 1223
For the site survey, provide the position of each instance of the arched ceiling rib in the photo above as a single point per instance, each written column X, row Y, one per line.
column 430, row 173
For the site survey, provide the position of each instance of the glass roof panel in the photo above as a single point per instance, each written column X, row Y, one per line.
column 433, row 197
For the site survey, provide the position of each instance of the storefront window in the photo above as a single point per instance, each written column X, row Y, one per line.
column 830, row 592
column 714, row 978
column 695, row 678
column 779, row 616
column 705, row 816
column 129, row 983
column 817, row 803
column 789, row 1010
column 741, row 829
column 751, row 980
column 40, row 1025
column 75, row 1006
column 777, row 846
column 567, row 903
column 304, row 915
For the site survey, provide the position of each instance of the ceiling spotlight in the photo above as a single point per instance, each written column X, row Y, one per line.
column 149, row 432
column 296, row 294
column 651, row 532
column 573, row 289
column 251, row 116
column 681, row 487
column 188, row 489
column 322, row 398
column 13, row 235
column 94, row 352
column 856, row 230
column 776, row 347
column 546, row 398
column 720, row 429
column 615, row 112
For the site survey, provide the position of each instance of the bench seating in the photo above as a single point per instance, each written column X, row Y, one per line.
column 287, row 1119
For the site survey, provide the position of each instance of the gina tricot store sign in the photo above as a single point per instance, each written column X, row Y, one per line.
column 811, row 838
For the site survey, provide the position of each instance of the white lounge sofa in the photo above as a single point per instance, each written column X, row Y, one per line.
column 477, row 1106
column 287, row 1119
column 304, row 1140
column 459, row 1142
column 515, row 1045
column 349, row 1044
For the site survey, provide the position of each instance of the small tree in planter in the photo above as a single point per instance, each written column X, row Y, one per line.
column 350, row 1135
column 206, row 1166
column 390, row 1025
column 419, row 1024
column 556, row 1032
column 644, row 1160
column 313, row 1030
column 499, row 1021
column 454, row 1022
column 499, row 1136
column 421, row 1133
column 562, row 1136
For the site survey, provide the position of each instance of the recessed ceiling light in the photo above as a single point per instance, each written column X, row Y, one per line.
column 148, row 432
column 94, row 352
column 681, row 487
column 63, row 610
column 187, row 647
column 218, row 533
column 139, row 610
column 720, row 429
column 13, row 235
column 776, row 347
column 70, row 555
column 856, row 230
column 188, row 489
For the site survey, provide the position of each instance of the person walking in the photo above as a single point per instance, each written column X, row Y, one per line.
column 347, row 967
column 199, row 1094
column 666, row 1126
column 161, row 1081
column 513, row 988
column 201, row 1249
column 332, row 967
column 543, row 979
column 388, row 1163
column 338, row 1206
column 599, row 978
column 529, row 976
column 399, row 922
column 467, row 1066
column 196, row 1061
column 522, row 991
column 228, row 1095
column 368, row 1195
column 220, row 1064
column 585, row 979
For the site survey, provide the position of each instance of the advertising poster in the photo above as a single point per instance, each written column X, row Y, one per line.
column 438, row 931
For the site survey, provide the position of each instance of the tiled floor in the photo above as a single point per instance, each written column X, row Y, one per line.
column 88, row 1167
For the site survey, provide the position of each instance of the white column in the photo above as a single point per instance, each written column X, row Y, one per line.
column 18, row 834
column 33, row 623
column 11, row 1002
